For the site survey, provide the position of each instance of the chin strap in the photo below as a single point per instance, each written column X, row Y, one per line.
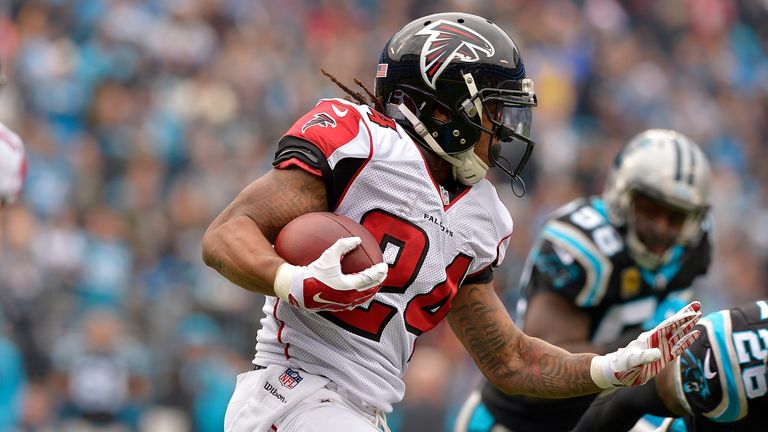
column 468, row 168
column 476, row 109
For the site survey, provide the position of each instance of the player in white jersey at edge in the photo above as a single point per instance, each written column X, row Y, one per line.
column 451, row 99
column 13, row 163
column 13, row 168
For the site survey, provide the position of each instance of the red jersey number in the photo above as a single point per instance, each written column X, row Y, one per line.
column 382, row 120
column 424, row 311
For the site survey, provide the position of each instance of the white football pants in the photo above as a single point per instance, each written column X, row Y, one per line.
column 263, row 403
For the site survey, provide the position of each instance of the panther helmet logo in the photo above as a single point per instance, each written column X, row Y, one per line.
column 448, row 41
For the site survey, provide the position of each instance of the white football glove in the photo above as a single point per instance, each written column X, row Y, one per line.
column 647, row 355
column 321, row 286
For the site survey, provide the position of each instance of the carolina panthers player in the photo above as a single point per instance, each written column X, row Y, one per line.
column 719, row 384
column 450, row 92
column 604, row 268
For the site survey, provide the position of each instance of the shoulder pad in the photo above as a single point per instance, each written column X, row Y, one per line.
column 333, row 123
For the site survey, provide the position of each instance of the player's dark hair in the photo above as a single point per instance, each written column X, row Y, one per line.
column 357, row 96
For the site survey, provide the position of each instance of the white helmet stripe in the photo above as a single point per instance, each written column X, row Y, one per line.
column 678, row 160
column 692, row 155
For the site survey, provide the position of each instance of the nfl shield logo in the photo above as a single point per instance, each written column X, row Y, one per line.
column 290, row 378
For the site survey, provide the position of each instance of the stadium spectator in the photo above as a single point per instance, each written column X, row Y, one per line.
column 102, row 375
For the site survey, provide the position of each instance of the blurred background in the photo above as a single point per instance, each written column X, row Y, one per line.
column 144, row 118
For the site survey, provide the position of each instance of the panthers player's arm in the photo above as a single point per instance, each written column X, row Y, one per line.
column 665, row 389
column 511, row 360
column 622, row 408
column 238, row 243
column 557, row 309
column 555, row 280
column 555, row 319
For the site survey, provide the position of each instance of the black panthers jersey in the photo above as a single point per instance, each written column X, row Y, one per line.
column 721, row 378
column 582, row 257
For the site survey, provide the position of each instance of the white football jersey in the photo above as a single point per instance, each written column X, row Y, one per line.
column 375, row 174
column 13, row 165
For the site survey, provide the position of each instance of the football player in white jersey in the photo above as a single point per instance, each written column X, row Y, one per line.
column 13, row 168
column 451, row 97
column 13, row 165
column 605, row 267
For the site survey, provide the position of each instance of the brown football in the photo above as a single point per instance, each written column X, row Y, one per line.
column 305, row 238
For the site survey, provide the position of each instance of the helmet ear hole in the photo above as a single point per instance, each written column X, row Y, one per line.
column 440, row 114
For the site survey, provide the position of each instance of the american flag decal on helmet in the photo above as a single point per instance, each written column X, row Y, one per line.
column 447, row 42
column 290, row 378
column 381, row 70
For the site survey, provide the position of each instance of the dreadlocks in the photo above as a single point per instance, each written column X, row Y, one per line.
column 3, row 79
column 360, row 98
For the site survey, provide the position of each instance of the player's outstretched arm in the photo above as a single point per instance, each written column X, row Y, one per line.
column 511, row 360
column 647, row 355
column 621, row 409
column 238, row 243
column 519, row 364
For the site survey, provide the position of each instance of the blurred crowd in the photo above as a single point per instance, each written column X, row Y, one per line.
column 144, row 118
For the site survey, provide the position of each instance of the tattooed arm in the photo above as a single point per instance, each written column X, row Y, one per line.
column 511, row 360
column 238, row 243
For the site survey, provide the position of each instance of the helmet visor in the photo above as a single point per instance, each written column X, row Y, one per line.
column 513, row 121
column 512, row 129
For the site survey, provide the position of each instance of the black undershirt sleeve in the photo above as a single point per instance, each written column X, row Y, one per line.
column 483, row 276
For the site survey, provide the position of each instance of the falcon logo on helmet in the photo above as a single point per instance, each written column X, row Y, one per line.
column 446, row 42
column 320, row 119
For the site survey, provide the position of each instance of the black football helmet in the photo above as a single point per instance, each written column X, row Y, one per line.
column 462, row 65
